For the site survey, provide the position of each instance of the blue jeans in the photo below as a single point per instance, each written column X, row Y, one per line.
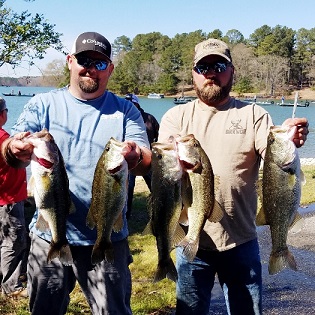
column 239, row 274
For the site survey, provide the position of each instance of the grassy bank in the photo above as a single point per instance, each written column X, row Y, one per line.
column 147, row 297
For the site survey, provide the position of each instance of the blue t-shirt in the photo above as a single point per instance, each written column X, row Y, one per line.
column 81, row 130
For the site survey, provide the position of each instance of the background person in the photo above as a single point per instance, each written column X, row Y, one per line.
column 13, row 192
column 82, row 117
column 234, row 136
column 152, row 128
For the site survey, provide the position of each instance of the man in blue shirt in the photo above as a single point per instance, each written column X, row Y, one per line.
column 81, row 117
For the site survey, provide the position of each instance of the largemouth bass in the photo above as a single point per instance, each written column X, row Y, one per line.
column 51, row 193
column 165, row 205
column 198, row 192
column 109, row 193
column 281, row 192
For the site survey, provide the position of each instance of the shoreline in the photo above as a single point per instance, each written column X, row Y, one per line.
column 307, row 161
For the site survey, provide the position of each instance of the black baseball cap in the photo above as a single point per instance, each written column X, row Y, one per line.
column 92, row 41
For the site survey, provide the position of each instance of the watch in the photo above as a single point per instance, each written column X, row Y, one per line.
column 140, row 157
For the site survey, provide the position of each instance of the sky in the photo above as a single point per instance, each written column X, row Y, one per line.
column 114, row 18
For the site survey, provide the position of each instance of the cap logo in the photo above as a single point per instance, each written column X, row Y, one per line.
column 93, row 41
column 211, row 45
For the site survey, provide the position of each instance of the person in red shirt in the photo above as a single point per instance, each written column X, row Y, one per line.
column 13, row 192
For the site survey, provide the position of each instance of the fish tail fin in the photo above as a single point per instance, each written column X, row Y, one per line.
column 190, row 248
column 166, row 270
column 102, row 251
column 54, row 252
column 61, row 251
column 65, row 255
column 279, row 261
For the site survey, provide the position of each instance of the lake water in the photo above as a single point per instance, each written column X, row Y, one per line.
column 157, row 107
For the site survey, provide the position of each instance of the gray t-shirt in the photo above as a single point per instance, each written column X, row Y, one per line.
column 234, row 137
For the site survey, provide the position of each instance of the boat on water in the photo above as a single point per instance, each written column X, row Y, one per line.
column 265, row 103
column 155, row 95
column 306, row 104
column 258, row 102
column 184, row 99
column 18, row 94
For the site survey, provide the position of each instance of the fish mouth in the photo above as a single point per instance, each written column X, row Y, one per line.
column 45, row 163
column 189, row 166
column 114, row 170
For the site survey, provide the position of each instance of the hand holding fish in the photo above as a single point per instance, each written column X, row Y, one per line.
column 302, row 131
column 20, row 149
column 136, row 156
column 131, row 152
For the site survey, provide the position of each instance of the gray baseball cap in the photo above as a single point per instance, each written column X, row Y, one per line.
column 212, row 46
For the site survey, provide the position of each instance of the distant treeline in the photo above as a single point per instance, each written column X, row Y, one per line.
column 274, row 60
column 22, row 81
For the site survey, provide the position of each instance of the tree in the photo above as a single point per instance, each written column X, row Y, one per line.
column 25, row 38
column 217, row 34
column 54, row 73
column 273, row 71
column 234, row 37
column 120, row 47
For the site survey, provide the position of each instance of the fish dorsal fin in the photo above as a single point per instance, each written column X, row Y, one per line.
column 148, row 229
column 72, row 208
column 259, row 189
column 261, row 217
column 217, row 213
column 183, row 218
column 291, row 181
column 297, row 223
column 302, row 178
column 178, row 235
column 90, row 222
column 216, row 183
column 41, row 223
column 31, row 186
column 119, row 224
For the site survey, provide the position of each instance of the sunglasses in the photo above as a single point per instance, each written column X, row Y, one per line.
column 86, row 62
column 5, row 110
column 217, row 67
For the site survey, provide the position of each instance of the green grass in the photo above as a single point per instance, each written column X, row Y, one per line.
column 147, row 297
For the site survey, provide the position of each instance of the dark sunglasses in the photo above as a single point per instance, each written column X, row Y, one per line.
column 217, row 67
column 5, row 110
column 86, row 62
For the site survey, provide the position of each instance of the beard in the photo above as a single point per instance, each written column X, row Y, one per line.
column 88, row 86
column 215, row 93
